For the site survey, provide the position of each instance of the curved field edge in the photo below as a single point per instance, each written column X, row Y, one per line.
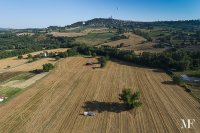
column 54, row 103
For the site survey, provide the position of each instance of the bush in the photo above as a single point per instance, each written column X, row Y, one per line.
column 57, row 58
column 29, row 56
column 32, row 60
column 20, row 57
column 47, row 67
column 131, row 100
column 177, row 80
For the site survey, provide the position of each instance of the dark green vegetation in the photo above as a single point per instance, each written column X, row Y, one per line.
column 103, row 60
column 130, row 100
column 14, row 45
column 23, row 76
column 177, row 80
column 20, row 57
column 47, row 67
column 94, row 38
column 174, row 59
column 8, row 75
column 8, row 92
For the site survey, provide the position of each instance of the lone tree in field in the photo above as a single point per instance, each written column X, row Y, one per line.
column 130, row 100
column 103, row 60
column 47, row 67
column 20, row 57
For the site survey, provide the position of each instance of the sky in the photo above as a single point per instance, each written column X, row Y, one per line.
column 44, row 13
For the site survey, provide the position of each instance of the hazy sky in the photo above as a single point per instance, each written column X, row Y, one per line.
column 43, row 13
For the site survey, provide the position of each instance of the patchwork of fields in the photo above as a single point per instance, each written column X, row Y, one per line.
column 56, row 102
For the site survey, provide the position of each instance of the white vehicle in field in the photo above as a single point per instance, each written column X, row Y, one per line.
column 89, row 113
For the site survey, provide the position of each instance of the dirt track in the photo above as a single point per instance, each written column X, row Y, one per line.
column 54, row 104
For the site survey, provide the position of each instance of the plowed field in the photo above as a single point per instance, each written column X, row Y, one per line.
column 55, row 103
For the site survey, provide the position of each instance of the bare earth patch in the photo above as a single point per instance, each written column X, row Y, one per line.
column 23, row 84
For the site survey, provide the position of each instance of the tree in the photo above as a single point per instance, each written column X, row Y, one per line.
column 103, row 61
column 89, row 53
column 47, row 67
column 20, row 57
column 94, row 54
column 131, row 100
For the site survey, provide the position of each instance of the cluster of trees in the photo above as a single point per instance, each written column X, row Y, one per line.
column 17, row 52
column 47, row 67
column 174, row 59
column 143, row 34
column 68, row 53
column 118, row 37
column 130, row 100
column 13, row 45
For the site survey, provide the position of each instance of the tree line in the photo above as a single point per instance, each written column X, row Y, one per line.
column 179, row 60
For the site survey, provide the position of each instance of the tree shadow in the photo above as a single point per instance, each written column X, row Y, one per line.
column 36, row 71
column 168, row 82
column 88, row 57
column 158, row 70
column 104, row 106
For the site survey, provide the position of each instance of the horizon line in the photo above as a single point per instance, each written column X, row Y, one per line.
column 10, row 28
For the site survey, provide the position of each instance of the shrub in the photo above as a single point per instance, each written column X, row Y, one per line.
column 32, row 60
column 29, row 56
column 47, row 67
column 131, row 100
column 20, row 57
column 57, row 58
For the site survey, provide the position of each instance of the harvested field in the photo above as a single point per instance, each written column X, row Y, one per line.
column 136, row 43
column 21, row 64
column 131, row 41
column 7, row 75
column 94, row 38
column 144, row 47
column 54, row 103
column 67, row 34
column 23, row 84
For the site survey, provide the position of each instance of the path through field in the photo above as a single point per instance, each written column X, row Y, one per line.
column 55, row 103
